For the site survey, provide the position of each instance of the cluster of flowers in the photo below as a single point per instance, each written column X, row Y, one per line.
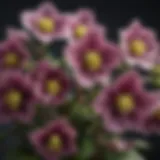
column 28, row 78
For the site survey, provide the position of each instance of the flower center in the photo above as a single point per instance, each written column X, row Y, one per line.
column 46, row 25
column 53, row 87
column 55, row 143
column 13, row 99
column 10, row 59
column 125, row 103
column 80, row 31
column 138, row 47
column 93, row 60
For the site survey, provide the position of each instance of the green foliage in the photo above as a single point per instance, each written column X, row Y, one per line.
column 133, row 155
column 15, row 155
column 141, row 144
column 87, row 149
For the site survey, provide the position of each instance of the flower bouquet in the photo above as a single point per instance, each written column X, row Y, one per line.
column 68, row 92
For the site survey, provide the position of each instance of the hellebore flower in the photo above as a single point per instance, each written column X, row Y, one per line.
column 56, row 140
column 13, row 55
column 45, row 23
column 139, row 45
column 152, row 121
column 17, row 97
column 80, row 23
column 92, row 59
column 17, row 35
column 124, row 105
column 52, row 84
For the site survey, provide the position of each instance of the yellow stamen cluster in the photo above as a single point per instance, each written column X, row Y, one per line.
column 53, row 87
column 55, row 143
column 11, row 59
column 93, row 60
column 80, row 31
column 13, row 99
column 125, row 104
column 46, row 25
column 138, row 47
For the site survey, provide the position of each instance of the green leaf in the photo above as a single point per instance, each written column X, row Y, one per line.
column 142, row 144
column 20, row 156
column 156, row 70
column 133, row 155
column 156, row 81
column 83, row 112
column 130, row 155
column 87, row 149
column 115, row 156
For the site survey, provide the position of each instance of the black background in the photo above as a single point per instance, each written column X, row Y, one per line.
column 112, row 13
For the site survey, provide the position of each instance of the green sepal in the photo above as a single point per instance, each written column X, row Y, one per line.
column 87, row 149
column 129, row 155
column 133, row 155
column 141, row 144
column 83, row 112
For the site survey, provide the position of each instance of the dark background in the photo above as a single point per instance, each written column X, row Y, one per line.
column 112, row 13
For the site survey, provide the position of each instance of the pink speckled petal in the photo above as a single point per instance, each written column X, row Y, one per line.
column 140, row 63
column 13, row 33
column 112, row 126
column 47, row 7
column 83, row 80
column 86, row 15
column 26, row 19
column 130, row 80
column 136, row 24
column 45, row 38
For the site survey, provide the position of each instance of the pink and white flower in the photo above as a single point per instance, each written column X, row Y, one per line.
column 55, row 140
column 52, row 83
column 139, row 45
column 80, row 23
column 125, row 104
column 17, row 97
column 13, row 55
column 92, row 59
column 46, row 23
